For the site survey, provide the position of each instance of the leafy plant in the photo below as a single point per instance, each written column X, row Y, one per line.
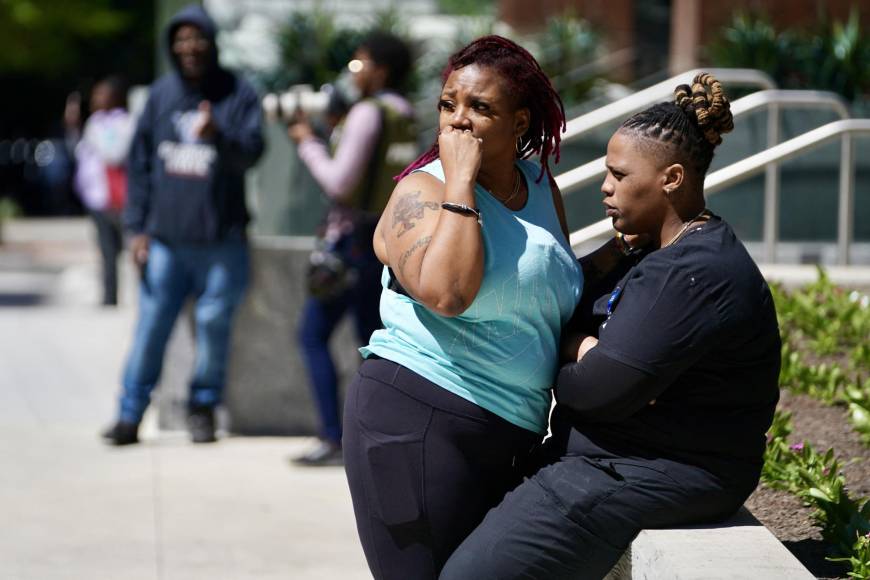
column 52, row 29
column 315, row 51
column 467, row 7
column 817, row 480
column 824, row 382
column 568, row 46
column 858, row 401
column 312, row 49
column 751, row 41
column 836, row 57
column 831, row 319
column 860, row 558
column 825, row 323
column 832, row 56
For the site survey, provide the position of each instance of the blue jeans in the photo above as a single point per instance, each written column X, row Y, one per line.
column 319, row 319
column 216, row 275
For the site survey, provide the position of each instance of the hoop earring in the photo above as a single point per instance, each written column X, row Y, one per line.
column 519, row 145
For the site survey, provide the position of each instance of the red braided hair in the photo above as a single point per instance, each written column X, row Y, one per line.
column 523, row 77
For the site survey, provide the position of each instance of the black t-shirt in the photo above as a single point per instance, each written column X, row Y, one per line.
column 692, row 326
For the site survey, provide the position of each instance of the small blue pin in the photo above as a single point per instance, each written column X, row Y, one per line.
column 611, row 302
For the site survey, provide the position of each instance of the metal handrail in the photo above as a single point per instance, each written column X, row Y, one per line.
column 771, row 178
column 774, row 100
column 622, row 108
column 593, row 170
column 791, row 98
column 718, row 180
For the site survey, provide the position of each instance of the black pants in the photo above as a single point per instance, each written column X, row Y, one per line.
column 573, row 519
column 108, row 225
column 424, row 466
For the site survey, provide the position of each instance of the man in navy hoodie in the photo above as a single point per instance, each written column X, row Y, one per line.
column 198, row 134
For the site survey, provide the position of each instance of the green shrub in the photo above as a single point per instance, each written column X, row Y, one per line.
column 831, row 56
column 315, row 51
column 751, row 41
column 824, row 323
column 816, row 479
column 568, row 46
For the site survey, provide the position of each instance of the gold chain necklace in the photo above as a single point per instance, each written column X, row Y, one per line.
column 513, row 194
column 685, row 227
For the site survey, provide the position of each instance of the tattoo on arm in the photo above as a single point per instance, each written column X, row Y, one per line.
column 421, row 243
column 408, row 210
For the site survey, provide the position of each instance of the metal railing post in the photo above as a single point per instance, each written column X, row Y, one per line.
column 771, row 189
column 622, row 108
column 845, row 130
column 589, row 172
column 846, row 205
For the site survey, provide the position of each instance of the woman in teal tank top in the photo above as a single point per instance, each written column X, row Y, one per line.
column 479, row 279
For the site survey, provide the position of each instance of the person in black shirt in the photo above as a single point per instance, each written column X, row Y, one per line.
column 673, row 375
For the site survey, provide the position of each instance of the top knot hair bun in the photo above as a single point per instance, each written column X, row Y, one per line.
column 705, row 102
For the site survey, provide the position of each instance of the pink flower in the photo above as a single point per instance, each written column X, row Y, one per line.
column 797, row 447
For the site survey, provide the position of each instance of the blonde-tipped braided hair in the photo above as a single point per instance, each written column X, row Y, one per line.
column 706, row 100
column 693, row 123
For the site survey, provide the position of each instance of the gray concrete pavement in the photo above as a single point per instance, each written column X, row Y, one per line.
column 73, row 508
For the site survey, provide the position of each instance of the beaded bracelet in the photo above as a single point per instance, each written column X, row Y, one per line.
column 463, row 209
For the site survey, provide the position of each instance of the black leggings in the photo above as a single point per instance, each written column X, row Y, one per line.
column 424, row 466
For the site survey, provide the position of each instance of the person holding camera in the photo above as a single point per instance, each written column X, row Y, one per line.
column 199, row 133
column 375, row 141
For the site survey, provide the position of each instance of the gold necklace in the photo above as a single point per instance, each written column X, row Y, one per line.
column 685, row 227
column 513, row 194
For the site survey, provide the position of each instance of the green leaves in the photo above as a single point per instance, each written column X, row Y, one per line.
column 831, row 56
column 859, row 560
column 567, row 47
column 751, row 41
column 467, row 7
column 43, row 36
column 816, row 479
column 819, row 494
column 828, row 325
column 825, row 355
column 314, row 50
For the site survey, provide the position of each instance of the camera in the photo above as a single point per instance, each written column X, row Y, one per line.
column 297, row 99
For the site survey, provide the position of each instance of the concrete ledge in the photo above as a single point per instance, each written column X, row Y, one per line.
column 739, row 549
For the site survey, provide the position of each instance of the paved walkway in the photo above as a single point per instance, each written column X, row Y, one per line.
column 73, row 508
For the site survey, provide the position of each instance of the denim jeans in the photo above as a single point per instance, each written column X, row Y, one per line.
column 320, row 318
column 216, row 276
